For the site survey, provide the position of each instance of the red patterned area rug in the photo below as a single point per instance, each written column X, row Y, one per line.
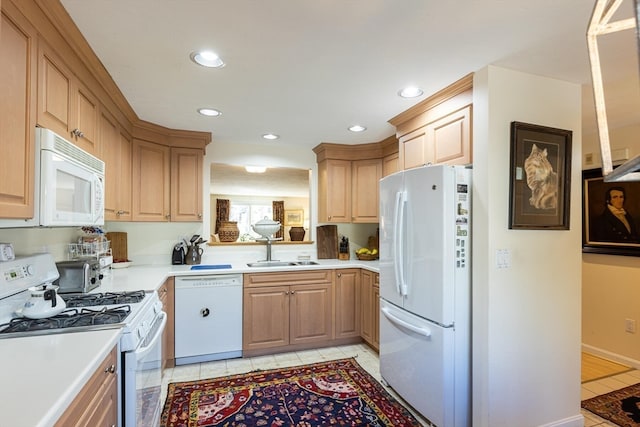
column 339, row 392
column 620, row 406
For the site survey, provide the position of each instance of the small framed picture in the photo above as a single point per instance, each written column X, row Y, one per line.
column 540, row 175
column 610, row 215
column 294, row 218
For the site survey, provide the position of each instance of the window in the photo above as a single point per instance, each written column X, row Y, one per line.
column 246, row 215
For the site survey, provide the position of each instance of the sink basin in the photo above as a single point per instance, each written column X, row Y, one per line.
column 279, row 263
column 271, row 264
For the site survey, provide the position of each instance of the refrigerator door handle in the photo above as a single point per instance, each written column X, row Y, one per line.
column 396, row 232
column 398, row 266
column 421, row 331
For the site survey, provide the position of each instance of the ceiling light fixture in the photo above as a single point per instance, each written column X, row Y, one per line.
column 600, row 24
column 255, row 169
column 207, row 58
column 357, row 128
column 410, row 92
column 209, row 112
column 270, row 136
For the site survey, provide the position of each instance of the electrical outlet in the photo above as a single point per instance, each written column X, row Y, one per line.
column 588, row 158
column 630, row 326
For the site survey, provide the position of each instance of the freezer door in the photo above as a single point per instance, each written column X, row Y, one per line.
column 417, row 361
column 430, row 240
column 390, row 238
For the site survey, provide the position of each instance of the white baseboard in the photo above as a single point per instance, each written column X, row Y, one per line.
column 575, row 421
column 611, row 356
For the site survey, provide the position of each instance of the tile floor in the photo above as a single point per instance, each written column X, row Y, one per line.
column 368, row 359
column 595, row 388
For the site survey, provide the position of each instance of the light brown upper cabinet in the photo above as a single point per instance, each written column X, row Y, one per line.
column 186, row 184
column 151, row 177
column 18, row 47
column 115, row 144
column 348, row 180
column 167, row 182
column 334, row 191
column 438, row 129
column 65, row 104
column 365, row 184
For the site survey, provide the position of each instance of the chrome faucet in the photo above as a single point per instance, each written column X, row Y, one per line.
column 269, row 243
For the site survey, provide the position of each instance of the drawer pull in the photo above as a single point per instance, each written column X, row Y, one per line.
column 110, row 370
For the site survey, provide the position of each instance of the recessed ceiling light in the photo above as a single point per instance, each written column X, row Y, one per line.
column 209, row 112
column 207, row 58
column 410, row 92
column 255, row 169
column 357, row 128
column 270, row 136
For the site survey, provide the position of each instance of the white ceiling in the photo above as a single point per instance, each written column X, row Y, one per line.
column 307, row 70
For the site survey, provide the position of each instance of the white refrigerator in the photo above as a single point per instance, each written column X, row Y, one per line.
column 425, row 290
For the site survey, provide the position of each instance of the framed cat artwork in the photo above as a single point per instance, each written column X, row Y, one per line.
column 610, row 215
column 540, row 174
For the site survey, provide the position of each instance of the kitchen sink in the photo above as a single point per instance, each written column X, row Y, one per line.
column 279, row 263
column 271, row 264
column 306, row 263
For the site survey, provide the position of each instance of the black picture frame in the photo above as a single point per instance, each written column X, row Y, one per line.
column 540, row 177
column 598, row 238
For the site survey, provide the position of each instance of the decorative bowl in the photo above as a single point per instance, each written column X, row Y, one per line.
column 266, row 227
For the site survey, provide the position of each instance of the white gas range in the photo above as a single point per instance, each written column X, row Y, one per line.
column 138, row 314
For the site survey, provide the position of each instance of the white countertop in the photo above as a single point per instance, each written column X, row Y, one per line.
column 42, row 375
column 151, row 277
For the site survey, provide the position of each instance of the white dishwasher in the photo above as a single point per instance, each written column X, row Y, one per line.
column 208, row 318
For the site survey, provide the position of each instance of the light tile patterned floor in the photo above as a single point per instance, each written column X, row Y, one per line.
column 368, row 359
column 603, row 386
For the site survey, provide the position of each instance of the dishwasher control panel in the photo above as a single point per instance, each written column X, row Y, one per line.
column 208, row 281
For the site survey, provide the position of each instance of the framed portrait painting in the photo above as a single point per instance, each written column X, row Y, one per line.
column 610, row 215
column 539, row 177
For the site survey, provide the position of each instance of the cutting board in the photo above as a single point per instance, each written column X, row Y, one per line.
column 118, row 241
column 327, row 241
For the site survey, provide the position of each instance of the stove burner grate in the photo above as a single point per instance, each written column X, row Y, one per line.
column 108, row 298
column 68, row 319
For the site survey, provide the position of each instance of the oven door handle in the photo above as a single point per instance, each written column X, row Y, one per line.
column 141, row 352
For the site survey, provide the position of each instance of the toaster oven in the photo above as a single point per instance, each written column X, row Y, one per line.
column 78, row 276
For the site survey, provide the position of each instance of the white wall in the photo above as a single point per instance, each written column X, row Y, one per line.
column 526, row 319
column 610, row 291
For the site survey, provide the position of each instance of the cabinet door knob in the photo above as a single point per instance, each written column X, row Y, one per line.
column 110, row 370
column 339, row 274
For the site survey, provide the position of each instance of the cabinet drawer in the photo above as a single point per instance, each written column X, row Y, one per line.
column 281, row 278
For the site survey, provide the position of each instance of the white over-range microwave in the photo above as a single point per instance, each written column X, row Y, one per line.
column 69, row 185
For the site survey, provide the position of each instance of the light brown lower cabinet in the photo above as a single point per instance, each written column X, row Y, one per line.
column 347, row 302
column 97, row 402
column 370, row 294
column 286, row 310
column 166, row 293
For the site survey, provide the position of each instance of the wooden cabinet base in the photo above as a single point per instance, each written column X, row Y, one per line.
column 301, row 347
column 97, row 402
